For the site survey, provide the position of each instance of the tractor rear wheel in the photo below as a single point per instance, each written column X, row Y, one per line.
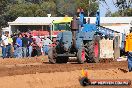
column 52, row 56
column 81, row 55
column 92, row 49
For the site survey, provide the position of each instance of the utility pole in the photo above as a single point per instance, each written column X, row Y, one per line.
column 89, row 2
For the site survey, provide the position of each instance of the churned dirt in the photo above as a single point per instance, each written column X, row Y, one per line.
column 38, row 73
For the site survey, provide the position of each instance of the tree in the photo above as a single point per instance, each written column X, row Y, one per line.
column 48, row 7
column 3, row 5
column 90, row 7
column 21, row 8
column 70, row 7
column 124, row 7
column 108, row 14
column 127, row 12
column 3, row 8
column 11, row 9
column 65, row 7
column 116, row 14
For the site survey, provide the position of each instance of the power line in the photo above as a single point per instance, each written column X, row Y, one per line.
column 114, row 3
column 104, row 6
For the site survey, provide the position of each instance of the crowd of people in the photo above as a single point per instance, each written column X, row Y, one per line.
column 23, row 45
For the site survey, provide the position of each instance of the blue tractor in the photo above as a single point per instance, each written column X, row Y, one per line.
column 81, row 41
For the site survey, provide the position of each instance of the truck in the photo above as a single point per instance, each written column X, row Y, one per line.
column 86, row 42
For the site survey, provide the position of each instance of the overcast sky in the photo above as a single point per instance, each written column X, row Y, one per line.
column 103, row 7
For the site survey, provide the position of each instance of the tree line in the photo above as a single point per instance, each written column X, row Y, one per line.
column 11, row 9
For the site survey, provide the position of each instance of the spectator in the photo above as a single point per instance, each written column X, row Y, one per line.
column 129, row 56
column 19, row 46
column 15, row 36
column 37, row 44
column 12, row 47
column 24, row 45
column 45, row 43
column 30, row 48
column 38, row 41
column 4, row 44
column 9, row 46
column 128, row 49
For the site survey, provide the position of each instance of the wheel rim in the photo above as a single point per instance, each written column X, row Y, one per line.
column 96, row 49
column 83, row 55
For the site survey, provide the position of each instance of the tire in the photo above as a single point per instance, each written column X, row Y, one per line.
column 52, row 56
column 92, row 49
column 81, row 55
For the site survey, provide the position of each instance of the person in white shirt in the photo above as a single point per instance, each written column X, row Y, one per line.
column 38, row 40
column 45, row 43
column 4, row 44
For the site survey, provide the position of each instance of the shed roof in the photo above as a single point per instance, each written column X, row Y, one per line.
column 49, row 20
column 33, row 20
column 112, row 19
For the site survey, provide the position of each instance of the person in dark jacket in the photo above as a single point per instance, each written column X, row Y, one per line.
column 25, row 45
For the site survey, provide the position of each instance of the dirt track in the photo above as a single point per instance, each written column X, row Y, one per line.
column 20, row 69
column 38, row 73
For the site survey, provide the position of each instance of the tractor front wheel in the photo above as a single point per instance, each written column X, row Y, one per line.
column 52, row 56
